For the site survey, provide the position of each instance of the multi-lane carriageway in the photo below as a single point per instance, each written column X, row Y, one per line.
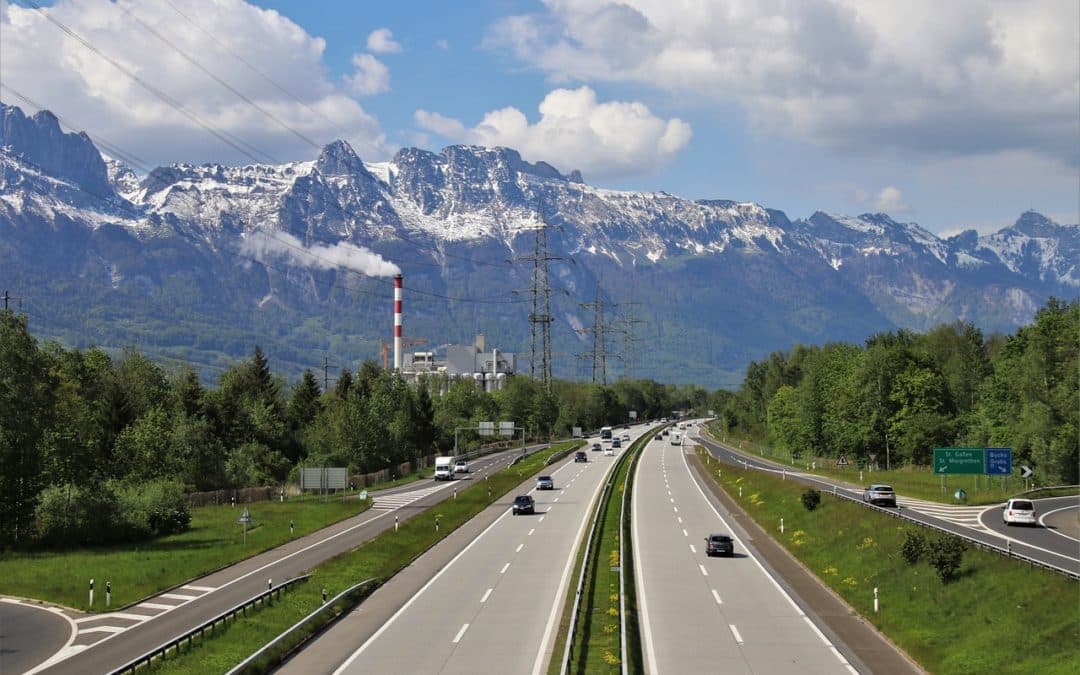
column 489, row 597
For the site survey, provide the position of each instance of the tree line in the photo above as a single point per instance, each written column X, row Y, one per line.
column 99, row 448
column 901, row 394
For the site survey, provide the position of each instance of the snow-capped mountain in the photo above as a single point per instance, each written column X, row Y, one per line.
column 720, row 280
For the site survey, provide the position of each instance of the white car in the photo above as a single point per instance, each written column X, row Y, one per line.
column 461, row 466
column 1019, row 512
column 609, row 451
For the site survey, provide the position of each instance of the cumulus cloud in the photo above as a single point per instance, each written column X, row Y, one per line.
column 575, row 130
column 370, row 75
column 381, row 41
column 273, row 246
column 225, row 36
column 933, row 78
column 888, row 200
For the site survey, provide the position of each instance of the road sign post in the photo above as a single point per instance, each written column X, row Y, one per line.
column 953, row 461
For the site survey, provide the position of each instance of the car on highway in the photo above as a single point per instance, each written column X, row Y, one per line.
column 545, row 483
column 626, row 437
column 610, row 452
column 580, row 456
column 719, row 544
column 879, row 495
column 461, row 466
column 1019, row 512
column 658, row 437
column 597, row 447
column 524, row 504
column 616, row 443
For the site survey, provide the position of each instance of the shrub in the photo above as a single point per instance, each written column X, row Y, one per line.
column 945, row 555
column 913, row 547
column 153, row 508
column 70, row 515
column 811, row 499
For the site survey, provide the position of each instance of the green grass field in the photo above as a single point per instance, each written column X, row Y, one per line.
column 136, row 571
column 999, row 616
column 379, row 558
column 919, row 482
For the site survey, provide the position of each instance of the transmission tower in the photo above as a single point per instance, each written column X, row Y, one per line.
column 540, row 318
column 630, row 338
column 599, row 331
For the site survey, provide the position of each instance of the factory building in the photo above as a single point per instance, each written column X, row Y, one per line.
column 488, row 367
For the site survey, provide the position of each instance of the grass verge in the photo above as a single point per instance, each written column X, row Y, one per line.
column 136, row 571
column 999, row 615
column 597, row 638
column 919, row 482
column 379, row 558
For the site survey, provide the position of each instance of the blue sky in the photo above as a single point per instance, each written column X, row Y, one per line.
column 953, row 115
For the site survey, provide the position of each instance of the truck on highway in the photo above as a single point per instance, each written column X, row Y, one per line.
column 444, row 468
column 605, row 433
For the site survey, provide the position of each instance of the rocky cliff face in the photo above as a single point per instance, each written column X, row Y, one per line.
column 720, row 282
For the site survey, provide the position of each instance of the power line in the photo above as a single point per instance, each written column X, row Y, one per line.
column 599, row 331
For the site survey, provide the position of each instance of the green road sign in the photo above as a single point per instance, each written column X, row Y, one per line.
column 959, row 460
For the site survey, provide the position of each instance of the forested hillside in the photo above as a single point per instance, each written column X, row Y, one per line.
column 901, row 394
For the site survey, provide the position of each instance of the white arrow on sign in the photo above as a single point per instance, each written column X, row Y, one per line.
column 1025, row 471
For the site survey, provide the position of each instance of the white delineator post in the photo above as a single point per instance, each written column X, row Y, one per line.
column 397, row 322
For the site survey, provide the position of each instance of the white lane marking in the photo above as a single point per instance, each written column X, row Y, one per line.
column 178, row 596
column 703, row 570
column 556, row 499
column 692, row 549
column 717, row 596
column 505, row 567
column 676, row 509
column 518, row 549
column 204, row 589
column 684, row 533
column 488, row 592
column 735, row 632
column 680, row 519
column 115, row 615
column 672, row 500
column 541, row 519
column 457, row 638
column 103, row 629
column 1042, row 521
column 830, row 645
column 531, row 532
column 669, row 493
column 650, row 651
column 156, row 605
column 67, row 650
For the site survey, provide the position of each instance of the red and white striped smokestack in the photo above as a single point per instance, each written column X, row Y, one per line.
column 397, row 322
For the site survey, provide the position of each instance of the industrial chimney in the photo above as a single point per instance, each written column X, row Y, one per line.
column 397, row 322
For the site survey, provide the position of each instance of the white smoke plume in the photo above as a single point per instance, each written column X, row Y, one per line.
column 267, row 246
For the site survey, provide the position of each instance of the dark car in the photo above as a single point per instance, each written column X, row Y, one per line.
column 597, row 447
column 719, row 544
column 616, row 443
column 880, row 495
column 524, row 504
column 545, row 483
column 580, row 456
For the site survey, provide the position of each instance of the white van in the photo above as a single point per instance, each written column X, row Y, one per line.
column 444, row 468
column 676, row 439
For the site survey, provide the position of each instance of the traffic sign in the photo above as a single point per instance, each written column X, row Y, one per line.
column 245, row 517
column 999, row 461
column 842, row 461
column 1025, row 471
column 959, row 460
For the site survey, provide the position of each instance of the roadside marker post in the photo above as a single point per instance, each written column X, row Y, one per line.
column 875, row 600
column 324, row 596
column 91, row 603
column 781, row 525
column 395, row 523
column 291, row 528
column 269, row 584
column 108, row 593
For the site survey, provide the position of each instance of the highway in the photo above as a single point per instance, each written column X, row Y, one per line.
column 105, row 641
column 982, row 523
column 709, row 615
column 493, row 607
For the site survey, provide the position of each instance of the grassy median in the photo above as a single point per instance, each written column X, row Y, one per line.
column 137, row 571
column 998, row 615
column 380, row 558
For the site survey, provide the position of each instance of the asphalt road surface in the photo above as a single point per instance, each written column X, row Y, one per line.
column 710, row 615
column 493, row 607
column 29, row 634
column 106, row 641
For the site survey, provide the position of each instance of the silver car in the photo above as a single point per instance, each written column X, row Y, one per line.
column 545, row 483
column 880, row 495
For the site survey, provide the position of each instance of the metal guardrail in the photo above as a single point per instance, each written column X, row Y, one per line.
column 247, row 663
column 899, row 513
column 159, row 651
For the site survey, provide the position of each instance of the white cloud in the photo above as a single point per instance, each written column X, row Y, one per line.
column 268, row 247
column 381, row 41
column 442, row 44
column 370, row 76
column 928, row 77
column 42, row 63
column 575, row 131
column 888, row 200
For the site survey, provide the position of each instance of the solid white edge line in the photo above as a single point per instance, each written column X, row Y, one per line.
column 486, row 595
column 735, row 633
column 646, row 627
column 1041, row 522
column 457, row 638
column 717, row 596
column 770, row 577
column 356, row 654
column 563, row 582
